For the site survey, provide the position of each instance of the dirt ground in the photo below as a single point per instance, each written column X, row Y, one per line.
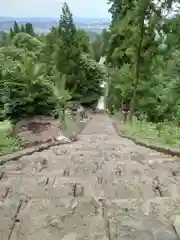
column 37, row 130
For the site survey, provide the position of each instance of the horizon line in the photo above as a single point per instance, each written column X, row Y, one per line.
column 40, row 17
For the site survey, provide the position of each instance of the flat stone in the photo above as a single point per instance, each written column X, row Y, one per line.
column 165, row 235
column 63, row 139
column 71, row 236
column 145, row 236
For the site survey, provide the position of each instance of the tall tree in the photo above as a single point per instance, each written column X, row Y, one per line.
column 16, row 28
column 83, row 39
column 11, row 33
column 68, row 50
column 135, row 24
column 66, row 23
column 23, row 28
column 99, row 46
column 119, row 8
column 29, row 29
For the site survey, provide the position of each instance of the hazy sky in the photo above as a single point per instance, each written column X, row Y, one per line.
column 51, row 8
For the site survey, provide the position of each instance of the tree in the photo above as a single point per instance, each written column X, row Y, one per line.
column 11, row 33
column 119, row 9
column 29, row 29
column 16, row 28
column 135, row 25
column 68, row 50
column 83, row 39
column 23, row 28
column 132, row 47
column 100, row 45
column 96, row 48
column 83, row 77
column 41, row 74
column 26, row 41
column 66, row 24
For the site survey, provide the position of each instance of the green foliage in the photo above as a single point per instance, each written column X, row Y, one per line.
column 26, row 41
column 90, row 75
column 83, row 39
column 16, row 28
column 22, row 93
column 100, row 45
column 8, row 143
column 41, row 74
column 120, row 86
column 28, row 29
column 60, row 95
column 67, row 48
column 167, row 134
column 143, row 55
column 83, row 76
column 23, row 28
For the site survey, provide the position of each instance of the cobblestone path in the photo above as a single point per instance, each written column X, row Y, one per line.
column 102, row 187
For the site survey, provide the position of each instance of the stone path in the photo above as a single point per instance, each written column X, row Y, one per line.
column 102, row 187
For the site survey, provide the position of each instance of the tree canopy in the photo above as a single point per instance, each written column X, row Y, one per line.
column 41, row 74
column 142, row 57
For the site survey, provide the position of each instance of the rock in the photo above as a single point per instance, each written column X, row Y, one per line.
column 62, row 139
column 71, row 236
column 73, row 137
column 165, row 235
column 176, row 224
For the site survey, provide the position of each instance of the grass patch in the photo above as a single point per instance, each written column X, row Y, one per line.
column 8, row 143
column 166, row 134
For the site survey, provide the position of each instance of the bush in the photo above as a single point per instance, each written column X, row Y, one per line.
column 26, row 41
column 22, row 90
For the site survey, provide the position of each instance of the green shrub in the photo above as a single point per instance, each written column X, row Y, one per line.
column 8, row 143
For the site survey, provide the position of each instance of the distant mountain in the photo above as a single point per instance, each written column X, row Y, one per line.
column 50, row 19
column 42, row 25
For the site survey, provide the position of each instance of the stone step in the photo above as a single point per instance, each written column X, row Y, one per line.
column 142, row 219
column 111, row 186
column 8, row 211
column 161, row 208
column 101, row 187
column 93, row 218
column 92, row 163
column 61, row 159
column 60, row 219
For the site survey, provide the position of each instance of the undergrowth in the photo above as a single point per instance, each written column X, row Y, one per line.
column 166, row 133
column 8, row 143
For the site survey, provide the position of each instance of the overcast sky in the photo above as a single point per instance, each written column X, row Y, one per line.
column 51, row 8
